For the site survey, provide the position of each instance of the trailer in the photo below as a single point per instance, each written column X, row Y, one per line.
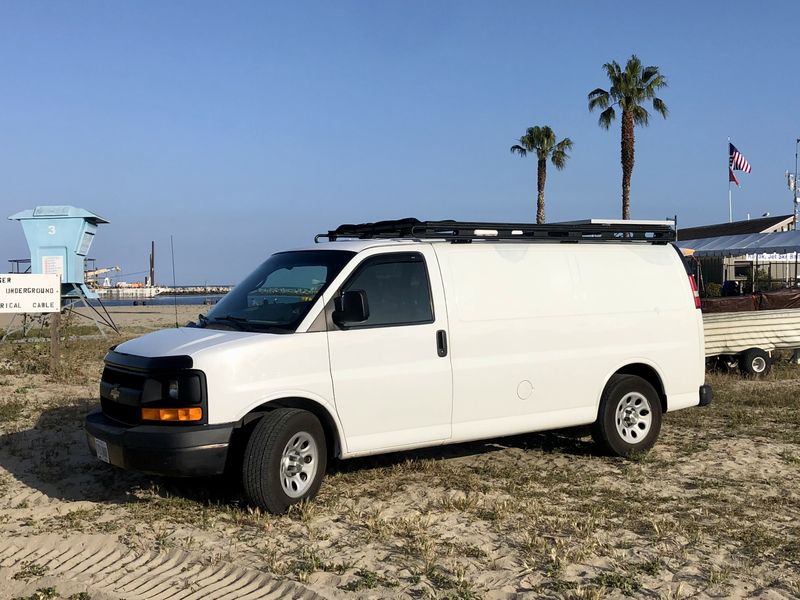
column 743, row 331
column 747, row 340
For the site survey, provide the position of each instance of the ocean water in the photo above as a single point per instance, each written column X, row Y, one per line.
column 188, row 299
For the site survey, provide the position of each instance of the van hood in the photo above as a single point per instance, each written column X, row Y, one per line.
column 185, row 341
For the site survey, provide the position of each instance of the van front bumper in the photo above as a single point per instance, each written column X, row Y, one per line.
column 173, row 450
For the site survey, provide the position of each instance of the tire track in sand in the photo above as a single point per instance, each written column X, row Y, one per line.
column 116, row 570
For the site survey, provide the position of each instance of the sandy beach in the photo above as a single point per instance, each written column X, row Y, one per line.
column 712, row 512
column 133, row 317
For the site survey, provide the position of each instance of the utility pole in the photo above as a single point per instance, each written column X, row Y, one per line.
column 795, row 196
column 152, row 263
column 674, row 224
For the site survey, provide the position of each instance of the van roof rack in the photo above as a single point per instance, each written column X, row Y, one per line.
column 595, row 230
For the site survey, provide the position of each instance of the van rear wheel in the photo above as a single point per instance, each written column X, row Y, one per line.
column 284, row 460
column 629, row 418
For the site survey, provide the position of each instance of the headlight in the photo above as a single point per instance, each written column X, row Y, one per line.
column 176, row 389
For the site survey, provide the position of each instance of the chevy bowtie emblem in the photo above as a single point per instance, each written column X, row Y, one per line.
column 114, row 394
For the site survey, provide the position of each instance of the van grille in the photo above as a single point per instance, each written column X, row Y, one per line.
column 134, row 381
column 124, row 413
column 121, row 395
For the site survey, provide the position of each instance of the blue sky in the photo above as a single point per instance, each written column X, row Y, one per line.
column 243, row 128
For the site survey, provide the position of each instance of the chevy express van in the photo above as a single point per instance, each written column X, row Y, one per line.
column 403, row 334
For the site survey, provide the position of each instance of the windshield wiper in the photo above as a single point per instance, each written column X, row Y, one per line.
column 244, row 324
column 270, row 327
column 239, row 322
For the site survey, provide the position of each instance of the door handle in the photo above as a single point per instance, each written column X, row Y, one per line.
column 441, row 342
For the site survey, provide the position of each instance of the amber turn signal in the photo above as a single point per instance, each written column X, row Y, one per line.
column 172, row 414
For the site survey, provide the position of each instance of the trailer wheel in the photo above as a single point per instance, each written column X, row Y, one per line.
column 284, row 460
column 629, row 418
column 755, row 362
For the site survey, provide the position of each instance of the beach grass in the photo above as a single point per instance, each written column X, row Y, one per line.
column 712, row 511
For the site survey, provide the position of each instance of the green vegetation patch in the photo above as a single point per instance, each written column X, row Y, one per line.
column 11, row 410
column 30, row 570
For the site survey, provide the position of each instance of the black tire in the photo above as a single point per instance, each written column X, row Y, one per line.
column 755, row 362
column 633, row 391
column 262, row 475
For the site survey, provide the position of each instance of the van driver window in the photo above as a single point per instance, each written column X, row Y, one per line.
column 397, row 290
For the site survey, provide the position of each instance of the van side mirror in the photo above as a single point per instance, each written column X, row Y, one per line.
column 350, row 308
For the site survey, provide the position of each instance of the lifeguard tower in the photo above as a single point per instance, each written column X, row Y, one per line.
column 59, row 238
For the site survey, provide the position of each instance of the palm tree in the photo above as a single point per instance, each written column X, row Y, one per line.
column 629, row 90
column 542, row 141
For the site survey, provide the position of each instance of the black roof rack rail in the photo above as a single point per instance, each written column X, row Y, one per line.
column 659, row 232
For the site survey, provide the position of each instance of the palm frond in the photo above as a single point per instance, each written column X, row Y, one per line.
column 640, row 115
column 598, row 98
column 560, row 156
column 657, row 82
column 649, row 73
column 660, row 107
column 517, row 149
column 633, row 69
column 612, row 70
column 607, row 117
column 565, row 144
column 559, row 160
column 546, row 142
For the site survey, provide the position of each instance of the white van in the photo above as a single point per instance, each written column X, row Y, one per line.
column 404, row 334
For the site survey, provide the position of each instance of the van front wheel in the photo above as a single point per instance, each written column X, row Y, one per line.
column 629, row 419
column 285, row 459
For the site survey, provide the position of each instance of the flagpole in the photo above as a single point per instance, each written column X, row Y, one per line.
column 730, row 199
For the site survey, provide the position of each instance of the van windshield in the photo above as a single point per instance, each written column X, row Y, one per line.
column 276, row 297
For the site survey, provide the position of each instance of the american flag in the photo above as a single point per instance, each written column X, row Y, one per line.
column 736, row 161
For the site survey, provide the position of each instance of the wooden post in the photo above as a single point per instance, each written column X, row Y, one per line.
column 55, row 340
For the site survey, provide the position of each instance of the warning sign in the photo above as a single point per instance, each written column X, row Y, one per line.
column 53, row 265
column 26, row 293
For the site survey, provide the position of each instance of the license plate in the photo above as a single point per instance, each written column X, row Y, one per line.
column 102, row 450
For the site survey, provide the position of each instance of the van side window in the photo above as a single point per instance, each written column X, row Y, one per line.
column 397, row 289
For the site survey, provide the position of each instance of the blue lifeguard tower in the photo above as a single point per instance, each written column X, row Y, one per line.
column 59, row 238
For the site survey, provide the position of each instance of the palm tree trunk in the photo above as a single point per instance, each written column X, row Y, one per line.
column 627, row 162
column 542, row 176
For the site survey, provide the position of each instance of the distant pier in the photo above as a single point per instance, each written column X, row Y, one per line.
column 186, row 290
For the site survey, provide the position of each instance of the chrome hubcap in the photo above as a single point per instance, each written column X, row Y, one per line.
column 758, row 364
column 298, row 464
column 633, row 417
